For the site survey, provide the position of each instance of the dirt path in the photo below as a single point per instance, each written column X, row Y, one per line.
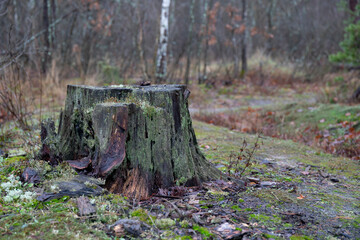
column 223, row 103
column 293, row 190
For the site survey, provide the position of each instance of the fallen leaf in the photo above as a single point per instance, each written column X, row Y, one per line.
column 301, row 197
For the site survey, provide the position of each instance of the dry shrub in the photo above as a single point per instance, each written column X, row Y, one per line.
column 268, row 71
column 340, row 87
column 265, row 73
column 52, row 87
column 14, row 95
column 201, row 96
column 249, row 122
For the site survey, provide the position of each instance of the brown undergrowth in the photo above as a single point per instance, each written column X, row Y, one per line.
column 338, row 133
column 269, row 124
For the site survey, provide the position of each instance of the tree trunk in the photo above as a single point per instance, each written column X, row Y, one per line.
column 206, row 47
column 139, row 139
column 163, row 41
column 352, row 7
column 140, row 42
column 269, row 14
column 46, row 57
column 203, row 7
column 235, row 54
column 53, row 27
column 189, row 43
column 243, row 41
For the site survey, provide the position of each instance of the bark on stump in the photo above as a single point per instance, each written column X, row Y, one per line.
column 139, row 138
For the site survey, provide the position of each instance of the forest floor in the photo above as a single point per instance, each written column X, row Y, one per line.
column 297, row 184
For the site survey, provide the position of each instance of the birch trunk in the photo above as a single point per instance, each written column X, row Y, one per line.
column 163, row 41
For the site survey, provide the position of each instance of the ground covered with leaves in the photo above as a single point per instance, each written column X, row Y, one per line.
column 297, row 185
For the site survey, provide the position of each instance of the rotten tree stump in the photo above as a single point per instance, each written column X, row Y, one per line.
column 139, row 138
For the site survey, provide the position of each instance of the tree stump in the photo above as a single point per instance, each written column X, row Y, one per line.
column 139, row 138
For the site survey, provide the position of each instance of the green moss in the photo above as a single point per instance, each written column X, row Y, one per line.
column 181, row 181
column 143, row 215
column 218, row 193
column 236, row 208
column 203, row 231
column 266, row 220
column 270, row 236
column 354, row 222
column 11, row 160
column 288, row 225
column 184, row 224
column 275, row 196
column 186, row 238
column 300, row 237
column 48, row 225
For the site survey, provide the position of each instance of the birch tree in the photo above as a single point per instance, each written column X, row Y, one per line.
column 163, row 41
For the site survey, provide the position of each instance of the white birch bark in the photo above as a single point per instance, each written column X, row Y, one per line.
column 163, row 41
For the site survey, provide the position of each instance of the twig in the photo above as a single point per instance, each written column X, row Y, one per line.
column 181, row 214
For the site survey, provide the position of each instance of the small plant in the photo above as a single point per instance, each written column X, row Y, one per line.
column 13, row 190
column 244, row 155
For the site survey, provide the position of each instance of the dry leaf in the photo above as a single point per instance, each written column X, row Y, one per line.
column 301, row 197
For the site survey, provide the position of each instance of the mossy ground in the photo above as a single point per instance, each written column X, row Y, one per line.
column 315, row 195
column 277, row 212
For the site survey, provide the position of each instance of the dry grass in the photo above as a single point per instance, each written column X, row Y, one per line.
column 15, row 95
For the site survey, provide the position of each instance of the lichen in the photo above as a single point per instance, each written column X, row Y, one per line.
column 164, row 223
